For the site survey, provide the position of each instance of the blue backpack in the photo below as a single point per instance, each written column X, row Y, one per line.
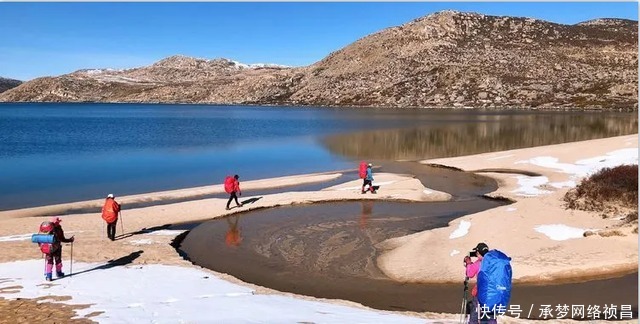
column 494, row 282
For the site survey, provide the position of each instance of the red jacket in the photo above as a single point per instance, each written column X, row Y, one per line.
column 110, row 210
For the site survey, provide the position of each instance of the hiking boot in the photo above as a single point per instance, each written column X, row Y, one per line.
column 59, row 274
column 374, row 192
column 228, row 208
column 48, row 277
column 363, row 192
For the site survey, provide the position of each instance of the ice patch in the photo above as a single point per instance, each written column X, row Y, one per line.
column 512, row 209
column 565, row 184
column 462, row 230
column 560, row 232
column 166, row 232
column 528, row 186
column 454, row 252
column 427, row 192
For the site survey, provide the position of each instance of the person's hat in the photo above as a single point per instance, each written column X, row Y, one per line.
column 56, row 220
column 370, row 164
column 110, row 196
column 482, row 248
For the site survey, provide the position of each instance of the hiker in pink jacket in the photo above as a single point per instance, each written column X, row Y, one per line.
column 472, row 269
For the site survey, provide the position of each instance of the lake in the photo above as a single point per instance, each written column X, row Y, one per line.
column 56, row 153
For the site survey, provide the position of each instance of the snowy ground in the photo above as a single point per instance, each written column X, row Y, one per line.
column 530, row 186
column 171, row 294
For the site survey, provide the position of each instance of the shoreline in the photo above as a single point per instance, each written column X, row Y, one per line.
column 285, row 105
column 146, row 222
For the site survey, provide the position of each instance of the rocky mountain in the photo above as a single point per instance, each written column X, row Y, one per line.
column 6, row 84
column 446, row 59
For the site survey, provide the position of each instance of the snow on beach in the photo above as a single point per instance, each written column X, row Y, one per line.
column 530, row 186
column 462, row 230
column 560, row 232
column 170, row 294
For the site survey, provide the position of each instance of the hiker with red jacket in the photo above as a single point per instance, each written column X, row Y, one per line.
column 232, row 186
column 55, row 250
column 472, row 269
column 110, row 212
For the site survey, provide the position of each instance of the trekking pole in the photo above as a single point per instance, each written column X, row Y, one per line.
column 121, row 223
column 463, row 308
column 71, row 266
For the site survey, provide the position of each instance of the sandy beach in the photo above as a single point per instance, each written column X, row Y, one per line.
column 543, row 238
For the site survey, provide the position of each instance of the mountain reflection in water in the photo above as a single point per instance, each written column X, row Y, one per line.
column 480, row 134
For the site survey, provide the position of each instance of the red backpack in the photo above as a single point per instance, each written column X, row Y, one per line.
column 48, row 228
column 229, row 181
column 363, row 170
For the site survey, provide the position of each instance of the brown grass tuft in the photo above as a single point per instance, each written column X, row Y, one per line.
column 608, row 190
column 609, row 233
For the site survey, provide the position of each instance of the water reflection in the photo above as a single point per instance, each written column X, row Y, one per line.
column 481, row 134
column 367, row 210
column 232, row 237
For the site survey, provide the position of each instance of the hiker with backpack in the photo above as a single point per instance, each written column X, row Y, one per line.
column 110, row 211
column 471, row 270
column 367, row 176
column 232, row 187
column 492, row 292
column 53, row 251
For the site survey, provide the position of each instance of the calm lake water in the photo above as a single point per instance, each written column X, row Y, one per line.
column 54, row 153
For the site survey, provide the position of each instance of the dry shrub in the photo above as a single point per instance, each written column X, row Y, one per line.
column 604, row 233
column 631, row 217
column 608, row 233
column 607, row 190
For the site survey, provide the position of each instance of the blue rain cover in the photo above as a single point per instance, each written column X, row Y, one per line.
column 494, row 281
column 42, row 238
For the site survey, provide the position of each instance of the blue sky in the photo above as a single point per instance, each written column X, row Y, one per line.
column 44, row 39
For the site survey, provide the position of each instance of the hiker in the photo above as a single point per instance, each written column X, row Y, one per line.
column 55, row 251
column 472, row 269
column 232, row 237
column 368, row 180
column 232, row 186
column 110, row 212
